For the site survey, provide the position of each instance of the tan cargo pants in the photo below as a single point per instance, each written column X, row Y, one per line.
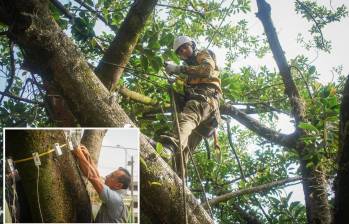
column 195, row 112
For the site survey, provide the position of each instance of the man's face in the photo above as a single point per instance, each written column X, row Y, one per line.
column 185, row 51
column 112, row 180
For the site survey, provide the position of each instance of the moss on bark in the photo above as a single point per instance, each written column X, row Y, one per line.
column 62, row 195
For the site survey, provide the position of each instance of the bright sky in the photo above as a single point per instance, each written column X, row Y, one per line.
column 115, row 156
column 288, row 25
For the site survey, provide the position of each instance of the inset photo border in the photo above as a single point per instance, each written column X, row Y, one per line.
column 71, row 175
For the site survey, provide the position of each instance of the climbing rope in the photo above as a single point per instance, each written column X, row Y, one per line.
column 241, row 170
column 200, row 181
column 180, row 152
column 37, row 192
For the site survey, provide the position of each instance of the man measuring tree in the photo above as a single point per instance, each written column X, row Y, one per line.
column 200, row 115
column 111, row 191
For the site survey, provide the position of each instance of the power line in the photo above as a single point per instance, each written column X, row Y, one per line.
column 119, row 147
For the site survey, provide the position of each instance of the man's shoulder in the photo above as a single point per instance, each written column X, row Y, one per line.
column 108, row 194
column 205, row 54
column 203, row 51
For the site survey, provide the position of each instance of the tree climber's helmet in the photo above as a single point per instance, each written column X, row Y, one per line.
column 179, row 41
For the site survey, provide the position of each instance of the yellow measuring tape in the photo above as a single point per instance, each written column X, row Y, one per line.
column 41, row 154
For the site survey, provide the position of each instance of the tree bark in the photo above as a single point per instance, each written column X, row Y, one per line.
column 54, row 54
column 341, row 212
column 92, row 139
column 123, row 44
column 254, row 125
column 314, row 182
column 63, row 196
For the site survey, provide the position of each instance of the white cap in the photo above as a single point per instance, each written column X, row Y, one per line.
column 179, row 41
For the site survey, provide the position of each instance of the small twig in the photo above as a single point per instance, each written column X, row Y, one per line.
column 99, row 16
column 61, row 8
column 181, row 8
column 231, row 4
column 20, row 98
column 313, row 18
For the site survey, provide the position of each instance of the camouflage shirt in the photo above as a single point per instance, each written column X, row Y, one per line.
column 201, row 68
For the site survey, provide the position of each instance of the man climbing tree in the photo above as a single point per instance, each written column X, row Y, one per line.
column 110, row 192
column 200, row 115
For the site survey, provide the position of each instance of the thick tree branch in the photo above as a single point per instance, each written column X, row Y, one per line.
column 314, row 183
column 342, row 181
column 290, row 88
column 288, row 141
column 137, row 97
column 93, row 139
column 260, row 188
column 123, row 44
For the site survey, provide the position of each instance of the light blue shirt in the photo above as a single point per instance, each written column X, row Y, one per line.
column 112, row 209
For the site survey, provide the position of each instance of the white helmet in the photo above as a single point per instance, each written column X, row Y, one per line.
column 179, row 41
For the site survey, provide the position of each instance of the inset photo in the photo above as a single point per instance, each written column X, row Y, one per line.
column 71, row 175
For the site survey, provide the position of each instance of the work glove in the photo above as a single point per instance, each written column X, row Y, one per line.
column 172, row 68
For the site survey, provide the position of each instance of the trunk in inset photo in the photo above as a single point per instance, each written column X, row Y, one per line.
column 62, row 195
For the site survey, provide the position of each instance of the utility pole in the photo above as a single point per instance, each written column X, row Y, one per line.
column 130, row 163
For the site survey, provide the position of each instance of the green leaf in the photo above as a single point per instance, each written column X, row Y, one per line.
column 159, row 148
column 311, row 70
column 143, row 163
column 307, row 126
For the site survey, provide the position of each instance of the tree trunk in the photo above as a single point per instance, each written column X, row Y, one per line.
column 315, row 192
column 314, row 183
column 63, row 196
column 54, row 54
column 92, row 139
column 341, row 213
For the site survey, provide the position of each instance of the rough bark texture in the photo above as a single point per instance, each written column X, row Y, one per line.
column 341, row 213
column 53, row 54
column 254, row 125
column 60, row 113
column 291, row 90
column 63, row 197
column 92, row 139
column 155, row 170
column 314, row 184
column 123, row 44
